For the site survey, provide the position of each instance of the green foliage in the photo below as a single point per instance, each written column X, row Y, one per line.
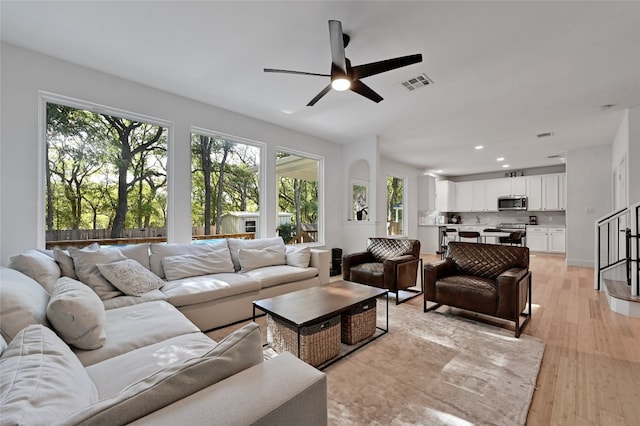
column 84, row 152
column 286, row 231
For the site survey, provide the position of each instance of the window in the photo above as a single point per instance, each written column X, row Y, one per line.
column 298, row 177
column 395, row 203
column 105, row 174
column 225, row 185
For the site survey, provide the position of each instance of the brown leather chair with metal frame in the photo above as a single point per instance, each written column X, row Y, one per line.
column 391, row 263
column 489, row 279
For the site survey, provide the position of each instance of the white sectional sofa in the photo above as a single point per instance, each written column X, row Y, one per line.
column 81, row 350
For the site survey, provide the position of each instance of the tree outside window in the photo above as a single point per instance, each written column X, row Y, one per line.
column 395, row 205
column 105, row 176
column 297, row 183
column 225, row 186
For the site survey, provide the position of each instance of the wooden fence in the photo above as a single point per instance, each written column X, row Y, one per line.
column 131, row 238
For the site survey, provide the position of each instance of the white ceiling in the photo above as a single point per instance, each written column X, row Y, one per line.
column 503, row 72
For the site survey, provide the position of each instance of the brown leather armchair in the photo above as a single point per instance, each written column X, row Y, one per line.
column 488, row 279
column 391, row 263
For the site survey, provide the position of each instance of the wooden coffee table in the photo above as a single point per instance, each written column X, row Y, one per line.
column 315, row 305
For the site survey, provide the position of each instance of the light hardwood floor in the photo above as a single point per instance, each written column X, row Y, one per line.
column 590, row 372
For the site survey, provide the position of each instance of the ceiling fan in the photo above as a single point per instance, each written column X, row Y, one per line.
column 343, row 75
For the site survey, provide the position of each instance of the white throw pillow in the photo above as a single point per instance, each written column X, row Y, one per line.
column 41, row 380
column 236, row 244
column 22, row 302
column 130, row 277
column 238, row 351
column 85, row 262
column 252, row 259
column 191, row 265
column 38, row 266
column 77, row 314
column 65, row 262
column 298, row 256
column 161, row 250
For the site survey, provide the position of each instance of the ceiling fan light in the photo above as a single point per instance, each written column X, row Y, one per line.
column 340, row 84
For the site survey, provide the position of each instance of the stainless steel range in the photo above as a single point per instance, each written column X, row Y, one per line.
column 513, row 227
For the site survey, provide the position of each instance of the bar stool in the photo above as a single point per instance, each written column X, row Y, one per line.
column 444, row 243
column 469, row 234
column 515, row 238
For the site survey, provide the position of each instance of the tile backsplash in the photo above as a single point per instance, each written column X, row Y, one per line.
column 494, row 218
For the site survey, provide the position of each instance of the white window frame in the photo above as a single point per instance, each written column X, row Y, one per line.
column 321, row 206
column 48, row 97
column 262, row 147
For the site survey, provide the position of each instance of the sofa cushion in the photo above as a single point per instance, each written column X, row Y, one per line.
column 257, row 258
column 192, row 265
column 3, row 345
column 120, row 301
column 65, row 261
column 38, row 266
column 130, row 277
column 193, row 290
column 136, row 326
column 298, row 256
column 237, row 352
column 236, row 244
column 467, row 292
column 41, row 380
column 77, row 314
column 281, row 274
column 22, row 302
column 85, row 262
column 114, row 374
column 161, row 250
column 138, row 252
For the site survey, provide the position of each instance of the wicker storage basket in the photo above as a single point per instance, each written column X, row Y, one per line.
column 318, row 343
column 359, row 323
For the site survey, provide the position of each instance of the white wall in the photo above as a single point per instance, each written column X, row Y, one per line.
column 588, row 198
column 24, row 73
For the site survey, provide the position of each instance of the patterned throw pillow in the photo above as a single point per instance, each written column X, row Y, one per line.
column 130, row 277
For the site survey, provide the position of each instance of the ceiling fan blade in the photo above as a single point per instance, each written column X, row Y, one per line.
column 294, row 72
column 366, row 70
column 337, row 46
column 319, row 95
column 364, row 90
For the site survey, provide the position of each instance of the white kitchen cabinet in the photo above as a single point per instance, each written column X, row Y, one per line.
column 537, row 239
column 551, row 192
column 490, row 199
column 557, row 240
column 477, row 195
column 464, row 197
column 512, row 186
column 546, row 192
column 534, row 192
column 445, row 193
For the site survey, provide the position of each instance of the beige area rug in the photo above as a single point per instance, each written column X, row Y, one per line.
column 433, row 369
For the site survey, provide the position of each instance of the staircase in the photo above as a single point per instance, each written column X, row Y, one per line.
column 617, row 269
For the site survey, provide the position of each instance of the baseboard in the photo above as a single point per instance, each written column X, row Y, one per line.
column 581, row 263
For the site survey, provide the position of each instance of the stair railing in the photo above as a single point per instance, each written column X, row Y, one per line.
column 616, row 230
column 611, row 231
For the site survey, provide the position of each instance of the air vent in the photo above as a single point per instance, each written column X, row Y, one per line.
column 544, row 135
column 417, row 82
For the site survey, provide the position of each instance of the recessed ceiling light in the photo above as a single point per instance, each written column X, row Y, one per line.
column 500, row 159
column 505, row 165
column 479, row 146
column 438, row 171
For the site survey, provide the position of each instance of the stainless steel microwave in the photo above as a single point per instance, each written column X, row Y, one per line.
column 512, row 202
